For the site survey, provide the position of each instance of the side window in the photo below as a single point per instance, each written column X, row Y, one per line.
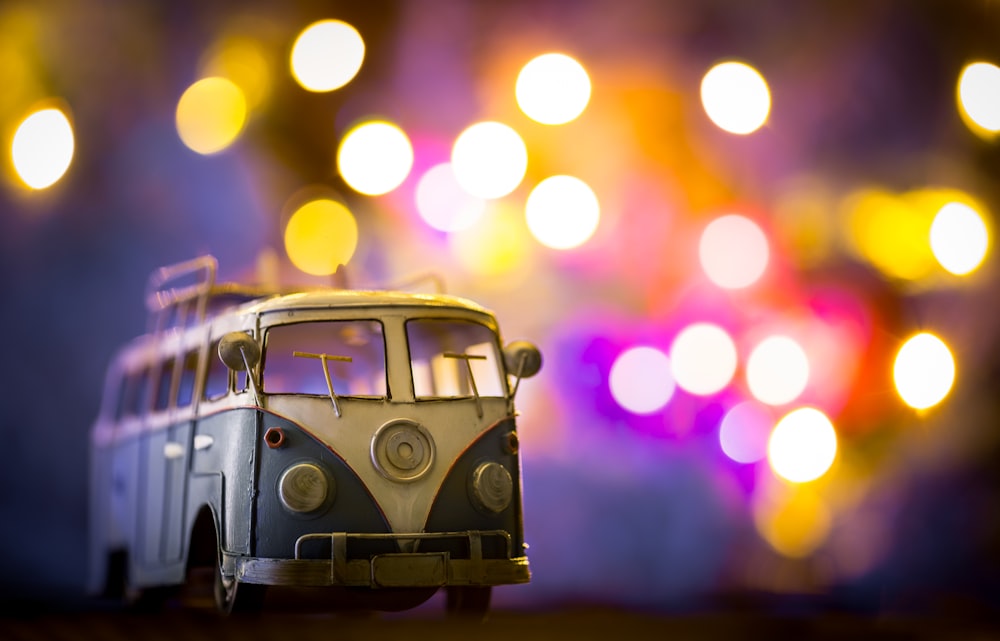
column 121, row 402
column 137, row 393
column 217, row 380
column 163, row 386
column 186, row 390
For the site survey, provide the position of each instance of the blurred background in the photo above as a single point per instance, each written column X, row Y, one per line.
column 754, row 242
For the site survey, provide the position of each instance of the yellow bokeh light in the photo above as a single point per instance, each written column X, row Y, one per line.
column 802, row 446
column 211, row 114
column 777, row 370
column 978, row 96
column 327, row 55
column 959, row 238
column 321, row 235
column 375, row 157
column 489, row 160
column 42, row 149
column 703, row 358
column 736, row 97
column 496, row 245
column 924, row 371
column 640, row 380
column 562, row 212
column 795, row 524
column 443, row 204
column 241, row 60
column 553, row 89
column 733, row 251
column 892, row 232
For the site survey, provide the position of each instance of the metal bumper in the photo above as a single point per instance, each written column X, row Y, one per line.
column 393, row 570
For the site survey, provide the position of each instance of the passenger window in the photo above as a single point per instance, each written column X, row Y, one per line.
column 186, row 390
column 163, row 386
column 217, row 381
column 355, row 351
column 121, row 401
column 138, row 393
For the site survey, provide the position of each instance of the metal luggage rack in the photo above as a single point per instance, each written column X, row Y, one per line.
column 172, row 306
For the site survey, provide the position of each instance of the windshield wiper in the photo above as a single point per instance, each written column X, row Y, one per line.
column 472, row 378
column 324, row 358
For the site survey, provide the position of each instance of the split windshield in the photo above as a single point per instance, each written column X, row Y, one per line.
column 453, row 358
column 352, row 351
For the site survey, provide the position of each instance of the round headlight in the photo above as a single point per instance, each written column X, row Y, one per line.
column 492, row 486
column 303, row 487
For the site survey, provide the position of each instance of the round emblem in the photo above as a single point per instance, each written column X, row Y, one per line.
column 402, row 450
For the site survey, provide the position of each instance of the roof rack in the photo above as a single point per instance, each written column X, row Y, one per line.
column 162, row 300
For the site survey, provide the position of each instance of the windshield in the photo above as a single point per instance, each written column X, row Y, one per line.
column 452, row 358
column 352, row 351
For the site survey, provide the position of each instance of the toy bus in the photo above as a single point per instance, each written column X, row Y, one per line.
column 359, row 440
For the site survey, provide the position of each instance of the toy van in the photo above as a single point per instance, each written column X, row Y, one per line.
column 363, row 441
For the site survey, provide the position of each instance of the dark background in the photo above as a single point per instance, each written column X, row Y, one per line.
column 622, row 511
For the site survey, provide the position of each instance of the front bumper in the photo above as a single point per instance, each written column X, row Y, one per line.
column 392, row 570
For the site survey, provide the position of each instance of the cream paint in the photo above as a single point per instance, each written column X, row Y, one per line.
column 453, row 426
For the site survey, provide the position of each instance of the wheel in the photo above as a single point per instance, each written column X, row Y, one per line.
column 236, row 597
column 472, row 602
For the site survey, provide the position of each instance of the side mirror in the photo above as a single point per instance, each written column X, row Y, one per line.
column 237, row 346
column 522, row 359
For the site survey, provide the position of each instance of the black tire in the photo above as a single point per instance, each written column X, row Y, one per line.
column 468, row 602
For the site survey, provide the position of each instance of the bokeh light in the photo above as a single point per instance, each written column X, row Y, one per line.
column 777, row 370
column 443, row 204
column 736, row 97
column 959, row 238
column 327, row 55
column 562, row 212
column 733, row 251
column 321, row 235
column 211, row 114
column 703, row 358
column 892, row 232
column 243, row 61
column 497, row 244
column 924, row 371
column 375, row 157
column 42, row 149
column 744, row 431
column 979, row 97
column 796, row 523
column 641, row 380
column 553, row 89
column 489, row 159
column 802, row 446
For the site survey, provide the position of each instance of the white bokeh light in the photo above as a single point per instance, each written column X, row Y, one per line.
column 777, row 370
column 562, row 212
column 802, row 446
column 327, row 55
column 489, row 160
column 42, row 149
column 733, row 251
column 552, row 89
column 641, row 381
column 924, row 371
column 375, row 157
column 703, row 359
column 736, row 97
column 979, row 96
column 959, row 238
